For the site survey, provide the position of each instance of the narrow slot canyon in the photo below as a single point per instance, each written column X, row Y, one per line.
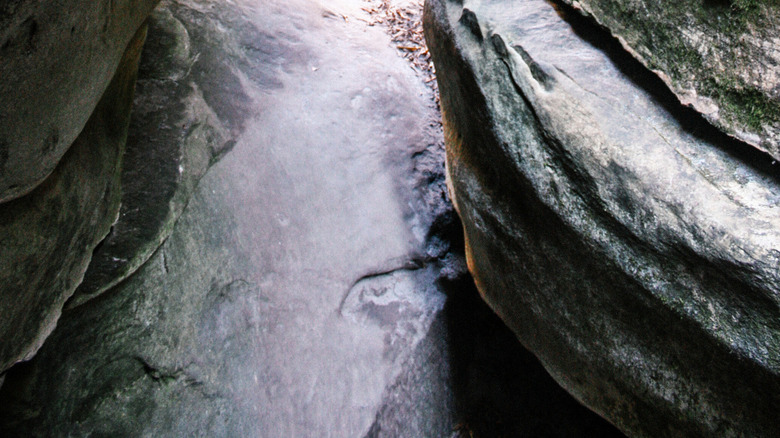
column 389, row 218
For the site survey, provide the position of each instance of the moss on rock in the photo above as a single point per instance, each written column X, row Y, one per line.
column 719, row 56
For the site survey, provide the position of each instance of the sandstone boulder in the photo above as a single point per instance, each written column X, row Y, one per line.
column 56, row 60
column 628, row 243
column 722, row 57
column 47, row 237
column 302, row 290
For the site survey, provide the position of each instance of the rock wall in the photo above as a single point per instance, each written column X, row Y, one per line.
column 56, row 59
column 48, row 235
column 627, row 242
column 175, row 136
column 298, row 279
column 69, row 71
column 722, row 57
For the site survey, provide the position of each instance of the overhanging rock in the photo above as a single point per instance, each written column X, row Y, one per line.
column 720, row 57
column 47, row 237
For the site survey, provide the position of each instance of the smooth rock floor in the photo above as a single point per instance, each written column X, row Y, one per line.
column 308, row 289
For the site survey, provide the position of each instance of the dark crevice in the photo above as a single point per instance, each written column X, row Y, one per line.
column 154, row 373
column 501, row 389
column 474, row 374
column 163, row 376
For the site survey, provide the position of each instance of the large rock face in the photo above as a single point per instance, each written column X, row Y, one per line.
column 628, row 243
column 297, row 281
column 720, row 56
column 178, row 130
column 56, row 60
column 301, row 292
column 47, row 236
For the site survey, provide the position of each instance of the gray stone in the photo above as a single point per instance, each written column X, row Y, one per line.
column 297, row 280
column 722, row 57
column 469, row 377
column 628, row 243
column 174, row 136
column 302, row 291
column 56, row 60
column 48, row 235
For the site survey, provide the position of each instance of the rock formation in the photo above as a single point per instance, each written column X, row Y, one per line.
column 722, row 57
column 56, row 60
column 48, row 235
column 261, row 245
column 629, row 243
column 299, row 277
column 177, row 133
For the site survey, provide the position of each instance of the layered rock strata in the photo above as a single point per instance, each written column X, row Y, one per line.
column 57, row 59
column 628, row 243
column 298, row 279
column 722, row 57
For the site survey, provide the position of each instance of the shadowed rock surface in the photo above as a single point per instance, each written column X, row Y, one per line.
column 470, row 377
column 56, row 60
column 47, row 236
column 298, row 278
column 313, row 284
column 174, row 137
column 629, row 244
column 722, row 57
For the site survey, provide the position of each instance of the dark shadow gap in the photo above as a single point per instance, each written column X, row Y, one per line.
column 501, row 389
column 470, row 377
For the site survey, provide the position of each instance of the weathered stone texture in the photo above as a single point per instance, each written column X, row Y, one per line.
column 628, row 243
column 47, row 237
column 56, row 60
column 722, row 57
column 174, row 137
column 297, row 280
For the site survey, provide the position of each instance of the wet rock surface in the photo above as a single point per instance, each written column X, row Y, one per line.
column 629, row 244
column 47, row 236
column 56, row 61
column 720, row 57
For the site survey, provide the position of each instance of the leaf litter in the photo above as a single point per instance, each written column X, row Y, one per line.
column 404, row 25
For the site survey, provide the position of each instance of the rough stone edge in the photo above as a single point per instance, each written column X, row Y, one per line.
column 129, row 65
column 706, row 106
